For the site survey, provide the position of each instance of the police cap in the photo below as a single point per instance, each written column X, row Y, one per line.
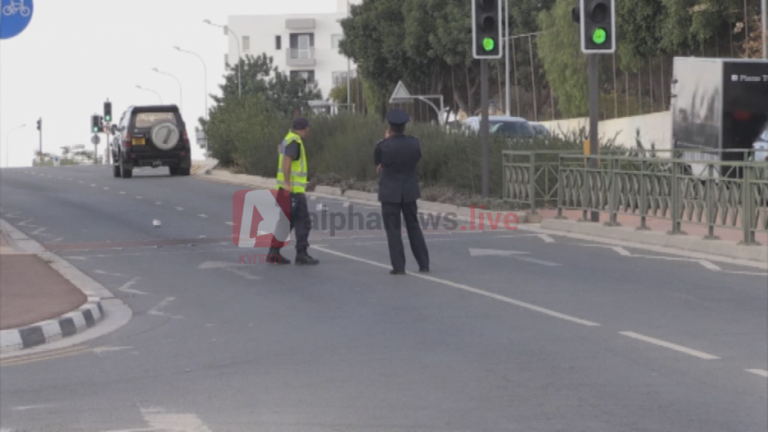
column 300, row 123
column 397, row 117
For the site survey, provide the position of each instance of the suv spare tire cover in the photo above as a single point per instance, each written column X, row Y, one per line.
column 165, row 135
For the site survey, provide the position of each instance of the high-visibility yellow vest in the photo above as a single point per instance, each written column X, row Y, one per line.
column 298, row 167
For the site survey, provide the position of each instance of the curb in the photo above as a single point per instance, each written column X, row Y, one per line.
column 462, row 213
column 756, row 253
column 52, row 330
column 100, row 305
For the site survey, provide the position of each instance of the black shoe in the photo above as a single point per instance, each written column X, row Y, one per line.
column 424, row 270
column 303, row 258
column 274, row 257
column 397, row 272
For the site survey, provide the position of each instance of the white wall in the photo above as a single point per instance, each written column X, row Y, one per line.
column 654, row 128
column 262, row 29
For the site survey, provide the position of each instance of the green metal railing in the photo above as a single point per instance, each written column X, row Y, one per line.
column 682, row 187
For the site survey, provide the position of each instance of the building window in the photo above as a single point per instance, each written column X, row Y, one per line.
column 246, row 43
column 302, row 45
column 278, row 43
column 308, row 76
column 335, row 39
column 339, row 78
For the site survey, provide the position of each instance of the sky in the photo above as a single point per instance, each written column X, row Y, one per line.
column 74, row 55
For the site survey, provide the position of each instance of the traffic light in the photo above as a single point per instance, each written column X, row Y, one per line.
column 597, row 19
column 40, row 124
column 95, row 123
column 108, row 111
column 486, row 29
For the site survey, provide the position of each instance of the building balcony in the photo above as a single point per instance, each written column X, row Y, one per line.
column 300, row 57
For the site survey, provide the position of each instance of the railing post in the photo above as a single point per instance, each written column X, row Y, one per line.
column 504, row 176
column 532, row 182
column 643, row 197
column 747, row 207
column 676, row 207
column 710, row 203
column 560, row 183
column 613, row 198
column 585, row 191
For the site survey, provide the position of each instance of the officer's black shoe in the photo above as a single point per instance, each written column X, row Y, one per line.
column 424, row 270
column 303, row 258
column 397, row 272
column 274, row 257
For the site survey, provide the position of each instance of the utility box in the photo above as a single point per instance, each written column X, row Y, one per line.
column 718, row 106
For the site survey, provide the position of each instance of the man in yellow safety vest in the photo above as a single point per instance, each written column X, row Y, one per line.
column 292, row 177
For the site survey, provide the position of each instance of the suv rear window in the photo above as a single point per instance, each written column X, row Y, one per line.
column 147, row 119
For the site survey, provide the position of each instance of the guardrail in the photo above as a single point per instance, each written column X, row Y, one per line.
column 679, row 188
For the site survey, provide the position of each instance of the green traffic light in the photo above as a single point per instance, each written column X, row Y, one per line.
column 489, row 44
column 599, row 36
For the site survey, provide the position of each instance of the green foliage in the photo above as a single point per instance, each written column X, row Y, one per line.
column 560, row 52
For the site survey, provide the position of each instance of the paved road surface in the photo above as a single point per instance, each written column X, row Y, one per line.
column 511, row 331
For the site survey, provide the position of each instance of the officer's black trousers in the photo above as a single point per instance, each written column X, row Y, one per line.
column 300, row 220
column 391, row 214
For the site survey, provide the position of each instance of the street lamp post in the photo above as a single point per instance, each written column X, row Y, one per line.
column 239, row 54
column 177, row 81
column 150, row 90
column 7, row 144
column 506, row 59
column 205, row 76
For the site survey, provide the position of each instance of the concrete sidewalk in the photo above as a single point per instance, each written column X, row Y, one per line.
column 38, row 304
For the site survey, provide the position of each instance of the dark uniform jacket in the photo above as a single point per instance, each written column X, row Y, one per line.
column 399, row 156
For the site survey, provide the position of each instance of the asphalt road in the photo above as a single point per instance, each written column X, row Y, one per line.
column 511, row 331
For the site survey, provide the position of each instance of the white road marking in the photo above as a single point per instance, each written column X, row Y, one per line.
column 156, row 310
column 38, row 231
column 93, row 185
column 537, row 261
column 492, row 252
column 29, row 407
column 621, row 251
column 102, row 272
column 159, row 203
column 156, row 223
column 161, row 420
column 319, row 207
column 709, row 265
column 126, row 288
column 229, row 223
column 746, row 273
column 671, row 346
column 106, row 349
column 345, row 205
column 122, row 193
column 312, row 198
column 81, row 181
column 203, row 216
column 57, row 240
column 471, row 289
column 761, row 372
column 546, row 238
column 106, row 188
column 138, row 197
column 180, row 208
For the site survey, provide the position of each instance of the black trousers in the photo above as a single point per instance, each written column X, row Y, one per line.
column 391, row 213
column 301, row 222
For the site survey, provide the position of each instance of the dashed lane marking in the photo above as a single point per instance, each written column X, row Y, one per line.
column 761, row 372
column 180, row 208
column 203, row 216
column 665, row 344
column 471, row 289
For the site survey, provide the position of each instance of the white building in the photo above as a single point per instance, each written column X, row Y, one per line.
column 305, row 45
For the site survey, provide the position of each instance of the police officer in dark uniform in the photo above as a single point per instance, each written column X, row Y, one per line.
column 396, row 158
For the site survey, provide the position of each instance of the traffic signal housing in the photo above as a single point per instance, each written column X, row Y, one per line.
column 597, row 19
column 486, row 29
column 95, row 123
column 40, row 124
column 108, row 111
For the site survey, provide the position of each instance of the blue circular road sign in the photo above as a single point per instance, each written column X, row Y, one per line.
column 15, row 16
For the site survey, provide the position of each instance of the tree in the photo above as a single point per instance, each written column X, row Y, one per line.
column 565, row 65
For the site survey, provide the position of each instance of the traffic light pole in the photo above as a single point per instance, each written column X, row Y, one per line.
column 484, row 128
column 41, row 141
column 594, row 119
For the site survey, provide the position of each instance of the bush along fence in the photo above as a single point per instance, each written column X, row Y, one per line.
column 676, row 186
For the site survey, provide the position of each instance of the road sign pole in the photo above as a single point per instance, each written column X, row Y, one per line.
column 593, row 119
column 484, row 128
column 41, row 141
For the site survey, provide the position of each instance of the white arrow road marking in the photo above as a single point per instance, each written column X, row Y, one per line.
column 537, row 261
column 160, row 420
column 493, row 252
column 126, row 288
column 546, row 238
column 761, row 372
column 470, row 289
column 671, row 346
column 102, row 272
column 709, row 265
column 156, row 310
